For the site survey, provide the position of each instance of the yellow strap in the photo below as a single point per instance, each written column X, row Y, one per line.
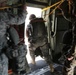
column 4, row 7
column 69, row 3
column 55, row 8
column 1, row 8
column 52, row 5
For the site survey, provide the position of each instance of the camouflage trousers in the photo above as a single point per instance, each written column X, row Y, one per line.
column 43, row 44
column 3, row 57
column 3, row 65
column 69, row 67
column 19, row 62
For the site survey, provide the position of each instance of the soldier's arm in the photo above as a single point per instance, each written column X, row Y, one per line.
column 19, row 18
column 27, row 31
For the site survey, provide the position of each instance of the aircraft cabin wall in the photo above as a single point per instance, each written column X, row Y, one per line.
column 56, row 26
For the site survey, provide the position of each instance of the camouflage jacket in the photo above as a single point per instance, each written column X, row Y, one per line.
column 7, row 19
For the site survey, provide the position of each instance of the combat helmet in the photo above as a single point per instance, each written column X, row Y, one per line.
column 32, row 16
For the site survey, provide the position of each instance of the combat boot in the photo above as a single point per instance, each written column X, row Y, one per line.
column 51, row 67
column 53, row 70
column 33, row 62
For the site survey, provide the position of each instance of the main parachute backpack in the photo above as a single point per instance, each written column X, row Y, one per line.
column 38, row 28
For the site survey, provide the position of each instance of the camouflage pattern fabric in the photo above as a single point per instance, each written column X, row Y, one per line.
column 38, row 38
column 43, row 44
column 21, row 58
column 18, row 58
column 7, row 19
column 3, row 65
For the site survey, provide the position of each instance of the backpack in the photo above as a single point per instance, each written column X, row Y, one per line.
column 38, row 28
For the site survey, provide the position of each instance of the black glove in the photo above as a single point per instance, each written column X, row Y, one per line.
column 11, row 52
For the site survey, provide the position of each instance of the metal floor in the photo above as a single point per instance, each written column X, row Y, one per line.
column 41, row 68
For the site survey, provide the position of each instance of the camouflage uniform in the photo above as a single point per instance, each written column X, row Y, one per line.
column 17, row 52
column 38, row 38
column 17, row 56
column 7, row 19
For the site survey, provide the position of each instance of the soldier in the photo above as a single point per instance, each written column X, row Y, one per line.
column 37, row 38
column 7, row 19
column 28, row 33
column 70, row 15
column 32, row 16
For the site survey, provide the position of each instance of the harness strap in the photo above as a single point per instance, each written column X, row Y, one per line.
column 33, row 21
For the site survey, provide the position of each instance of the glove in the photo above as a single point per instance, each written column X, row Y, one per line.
column 22, row 73
column 11, row 53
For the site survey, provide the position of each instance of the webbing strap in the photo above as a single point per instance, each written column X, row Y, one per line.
column 52, row 5
column 38, row 21
column 56, row 4
column 2, row 8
